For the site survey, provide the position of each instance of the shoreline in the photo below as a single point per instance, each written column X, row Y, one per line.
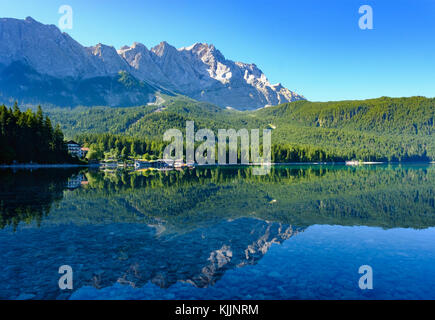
column 38, row 166
column 71, row 165
column 319, row 163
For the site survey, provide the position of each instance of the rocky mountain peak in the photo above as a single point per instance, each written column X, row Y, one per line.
column 139, row 45
column 144, row 66
column 200, row 71
column 203, row 50
column 30, row 19
column 134, row 49
column 111, row 62
column 163, row 48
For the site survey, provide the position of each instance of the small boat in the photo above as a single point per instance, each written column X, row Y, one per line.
column 353, row 163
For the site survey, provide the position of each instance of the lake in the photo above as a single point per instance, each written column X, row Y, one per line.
column 301, row 232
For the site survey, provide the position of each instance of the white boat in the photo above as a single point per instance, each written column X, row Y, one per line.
column 353, row 163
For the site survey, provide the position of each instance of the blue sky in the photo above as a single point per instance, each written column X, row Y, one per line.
column 313, row 47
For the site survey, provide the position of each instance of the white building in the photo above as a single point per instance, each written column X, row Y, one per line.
column 74, row 149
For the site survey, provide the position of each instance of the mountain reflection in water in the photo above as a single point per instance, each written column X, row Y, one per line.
column 169, row 229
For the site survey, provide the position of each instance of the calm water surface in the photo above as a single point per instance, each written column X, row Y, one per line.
column 301, row 232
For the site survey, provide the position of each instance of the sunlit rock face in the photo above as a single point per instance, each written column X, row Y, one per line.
column 46, row 49
column 202, row 72
column 199, row 71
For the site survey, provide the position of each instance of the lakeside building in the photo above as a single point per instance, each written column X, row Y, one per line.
column 76, row 149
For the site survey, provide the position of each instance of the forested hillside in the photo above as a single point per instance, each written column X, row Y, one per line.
column 387, row 129
column 413, row 115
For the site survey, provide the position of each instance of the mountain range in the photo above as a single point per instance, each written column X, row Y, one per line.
column 40, row 64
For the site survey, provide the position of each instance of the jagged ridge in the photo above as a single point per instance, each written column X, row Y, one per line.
column 199, row 71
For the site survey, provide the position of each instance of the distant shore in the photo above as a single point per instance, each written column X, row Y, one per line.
column 71, row 165
column 48, row 165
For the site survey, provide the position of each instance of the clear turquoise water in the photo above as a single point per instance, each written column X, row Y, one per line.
column 300, row 233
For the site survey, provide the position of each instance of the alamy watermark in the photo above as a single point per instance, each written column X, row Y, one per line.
column 366, row 280
column 205, row 153
column 66, row 20
column 366, row 20
column 66, row 280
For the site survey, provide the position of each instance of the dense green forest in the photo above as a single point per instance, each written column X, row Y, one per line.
column 122, row 147
column 385, row 129
column 30, row 137
column 107, row 145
